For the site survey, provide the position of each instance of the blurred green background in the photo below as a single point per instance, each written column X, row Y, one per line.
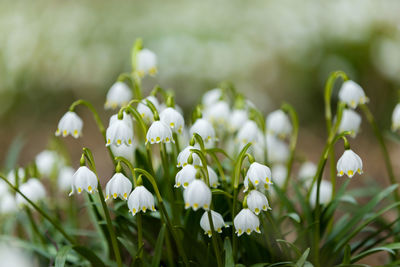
column 53, row 52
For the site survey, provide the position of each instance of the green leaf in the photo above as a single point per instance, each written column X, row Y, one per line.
column 295, row 249
column 294, row 216
column 89, row 255
column 303, row 258
column 61, row 256
column 130, row 247
column 229, row 262
column 16, row 146
column 388, row 248
column 347, row 254
column 221, row 192
column 158, row 248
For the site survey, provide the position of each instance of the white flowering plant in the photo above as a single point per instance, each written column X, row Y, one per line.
column 222, row 190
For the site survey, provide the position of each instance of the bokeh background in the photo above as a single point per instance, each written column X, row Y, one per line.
column 54, row 52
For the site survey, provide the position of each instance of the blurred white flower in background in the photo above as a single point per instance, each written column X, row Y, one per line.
column 13, row 256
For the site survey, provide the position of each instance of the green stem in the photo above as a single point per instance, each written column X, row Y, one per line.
column 34, row 227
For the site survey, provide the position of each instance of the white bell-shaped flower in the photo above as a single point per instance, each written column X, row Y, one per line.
column 211, row 97
column 259, row 175
column 145, row 111
column 11, row 176
column 47, row 162
column 185, row 176
column 197, row 195
column 349, row 163
column 257, row 201
column 159, row 132
column 173, row 119
column 217, row 220
column 218, row 113
column 8, row 203
column 65, row 179
column 237, row 119
column 33, row 189
column 352, row 94
column 118, row 133
column 212, row 177
column 118, row 95
column 277, row 150
column 140, row 200
column 118, row 186
column 183, row 157
column 279, row 172
column 278, row 123
column 146, row 63
column 246, row 222
column 71, row 124
column 203, row 128
column 307, row 171
column 351, row 122
column 248, row 133
column 127, row 152
column 325, row 193
column 84, row 179
column 396, row 118
column 125, row 117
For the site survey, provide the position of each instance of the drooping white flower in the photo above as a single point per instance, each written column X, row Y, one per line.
column 203, row 128
column 65, row 178
column 173, row 119
column 8, row 203
column 352, row 94
column 146, row 63
column 145, row 111
column 127, row 152
column 118, row 186
column 212, row 177
column 11, row 177
column 47, row 162
column 259, row 175
column 127, row 118
column 218, row 113
column 71, row 124
column 307, row 171
column 185, row 176
column 183, row 157
column 12, row 254
column 159, row 132
column 396, row 118
column 197, row 195
column 118, row 95
column 84, row 179
column 140, row 200
column 119, row 132
column 277, row 150
column 349, row 163
column 33, row 189
column 248, row 133
column 211, row 96
column 278, row 124
column 279, row 173
column 246, row 222
column 237, row 119
column 351, row 121
column 257, row 201
column 217, row 221
column 325, row 193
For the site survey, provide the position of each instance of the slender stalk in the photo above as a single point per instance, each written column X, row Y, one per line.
column 34, row 227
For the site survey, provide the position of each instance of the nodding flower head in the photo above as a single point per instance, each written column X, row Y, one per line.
column 146, row 63
column 140, row 200
column 325, row 193
column 246, row 222
column 173, row 119
column 71, row 124
column 248, row 133
column 396, row 118
column 185, row 176
column 119, row 133
column 144, row 111
column 278, row 151
column 349, row 163
column 84, row 180
column 184, row 155
column 218, row 113
column 197, row 195
column 119, row 95
column 351, row 122
column 203, row 128
column 352, row 94
column 257, row 201
column 118, row 186
column 237, row 119
column 159, row 132
column 211, row 97
column 217, row 221
column 65, row 178
column 125, row 117
column 278, row 124
column 307, row 171
column 212, row 177
column 33, row 189
column 259, row 175
column 127, row 152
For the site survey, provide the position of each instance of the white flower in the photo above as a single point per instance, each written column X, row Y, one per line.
column 71, row 124
column 197, row 195
column 217, row 220
column 125, row 117
column 119, row 95
column 13, row 254
column 248, row 133
column 396, row 118
column 279, row 173
column 65, row 178
column 277, row 150
column 183, row 157
column 278, row 124
column 33, row 190
column 237, row 119
column 352, row 94
column 350, row 122
column 349, row 163
column 259, row 175
column 257, row 201
column 173, row 119
column 307, row 171
column 127, row 152
column 212, row 177
column 325, row 193
column 47, row 162
column 145, row 111
column 84, row 179
column 218, row 113
column 211, row 96
column 185, row 176
column 140, row 200
column 118, row 133
column 146, row 63
column 118, row 186
column 8, row 203
column 246, row 222
column 159, row 132
column 11, row 176
column 203, row 128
